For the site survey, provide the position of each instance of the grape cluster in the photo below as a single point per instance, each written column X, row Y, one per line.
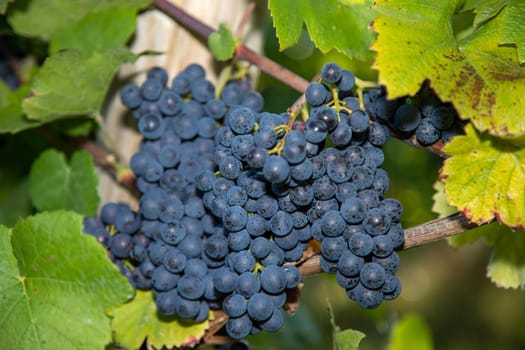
column 231, row 197
column 118, row 229
column 425, row 115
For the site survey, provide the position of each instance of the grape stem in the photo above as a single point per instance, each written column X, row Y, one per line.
column 416, row 236
column 242, row 52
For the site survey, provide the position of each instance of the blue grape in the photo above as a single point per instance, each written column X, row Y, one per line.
column 151, row 126
column 260, row 307
column 239, row 240
column 239, row 327
column 130, row 96
column 376, row 222
column 163, row 280
column 170, row 103
column 273, row 279
column 353, row 210
column 293, row 276
column 407, row 118
column 347, row 81
column 248, row 284
column 234, row 305
column 196, row 267
column 316, row 94
column 202, row 90
column 225, row 280
column 190, row 287
column 442, row 117
column 372, row 275
column 194, row 71
column 121, row 245
column 276, row 169
column 241, row 120
column 349, row 264
column 361, row 244
column 331, row 73
column 151, row 89
column 427, row 133
column 333, row 247
column 359, row 121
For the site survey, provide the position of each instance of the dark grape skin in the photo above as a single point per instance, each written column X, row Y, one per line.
column 407, row 118
column 251, row 187
column 331, row 73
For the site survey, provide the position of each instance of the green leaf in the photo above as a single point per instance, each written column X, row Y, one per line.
column 507, row 262
column 485, row 177
column 3, row 6
column 347, row 339
column 97, row 31
column 54, row 294
column 134, row 321
column 512, row 31
column 482, row 78
column 411, row 333
column 485, row 10
column 15, row 201
column 441, row 206
column 222, row 43
column 44, row 18
column 342, row 25
column 56, row 185
column 72, row 84
column 12, row 118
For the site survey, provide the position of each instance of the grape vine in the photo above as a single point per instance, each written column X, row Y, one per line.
column 225, row 207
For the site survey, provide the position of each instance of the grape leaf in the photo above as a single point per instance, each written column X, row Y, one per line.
column 44, row 18
column 222, row 43
column 512, row 31
column 441, row 206
column 347, row 339
column 137, row 319
column 485, row 178
column 342, row 25
column 484, row 10
column 14, row 199
column 483, row 79
column 411, row 333
column 56, row 185
column 3, row 6
column 507, row 262
column 12, row 118
column 97, row 31
column 54, row 294
column 71, row 83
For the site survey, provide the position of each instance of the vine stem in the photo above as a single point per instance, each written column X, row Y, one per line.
column 416, row 236
column 242, row 52
column 123, row 176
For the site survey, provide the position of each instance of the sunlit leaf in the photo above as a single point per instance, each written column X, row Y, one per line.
column 134, row 321
column 342, row 25
column 54, row 294
column 482, row 78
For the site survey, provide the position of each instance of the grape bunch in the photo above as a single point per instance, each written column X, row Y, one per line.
column 425, row 115
column 231, row 197
column 124, row 241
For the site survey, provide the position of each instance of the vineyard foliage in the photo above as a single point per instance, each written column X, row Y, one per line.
column 60, row 288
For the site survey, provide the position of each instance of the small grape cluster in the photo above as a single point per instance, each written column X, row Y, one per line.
column 118, row 229
column 425, row 115
column 231, row 197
